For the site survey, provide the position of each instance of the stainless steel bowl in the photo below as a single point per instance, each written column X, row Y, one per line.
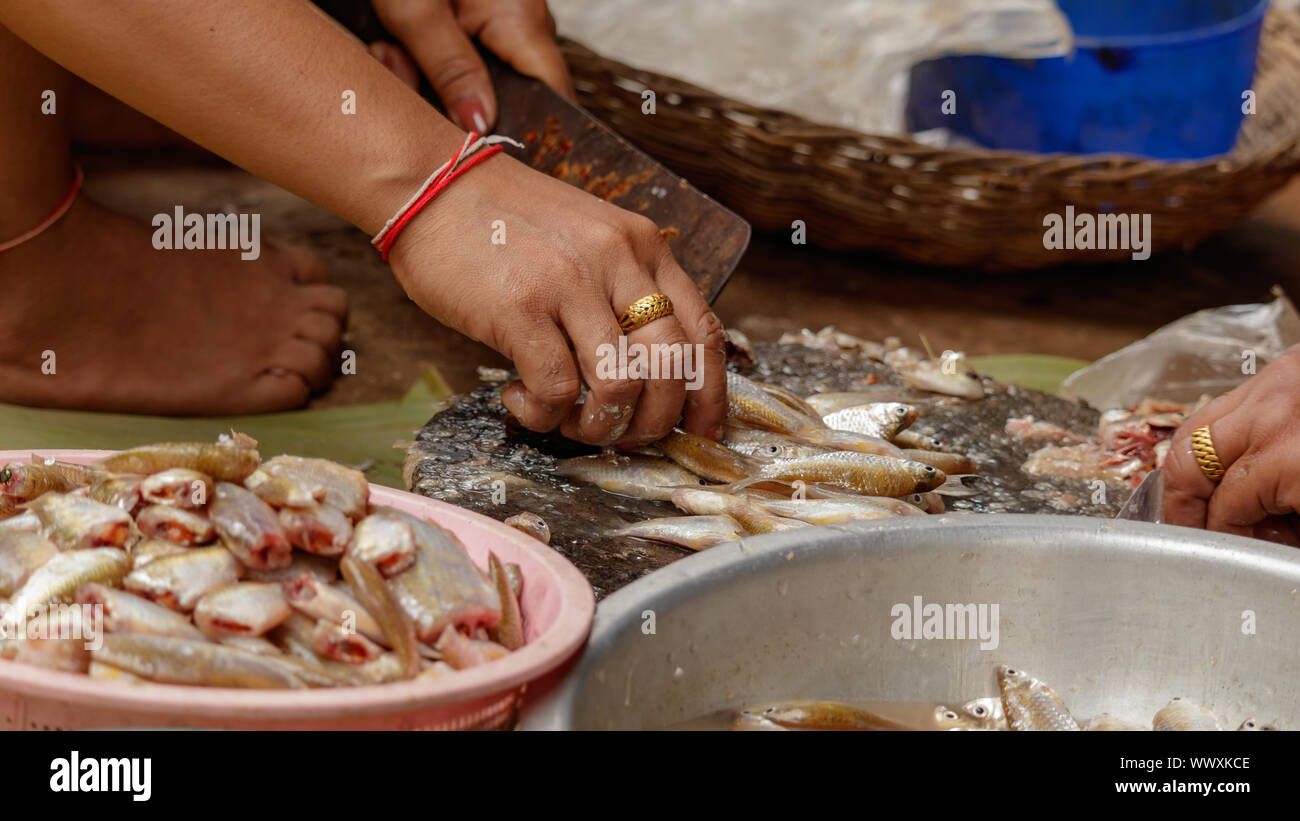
column 1117, row 616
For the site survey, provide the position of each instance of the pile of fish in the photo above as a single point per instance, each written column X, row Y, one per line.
column 784, row 462
column 474, row 455
column 1129, row 443
column 1026, row 703
column 201, row 564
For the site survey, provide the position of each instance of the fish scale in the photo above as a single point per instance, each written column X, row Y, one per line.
column 1030, row 704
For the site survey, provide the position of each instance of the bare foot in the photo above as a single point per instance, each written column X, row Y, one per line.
column 128, row 328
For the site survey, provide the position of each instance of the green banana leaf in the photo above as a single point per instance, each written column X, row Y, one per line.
column 1038, row 371
column 364, row 436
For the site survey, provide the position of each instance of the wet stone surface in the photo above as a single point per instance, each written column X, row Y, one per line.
column 469, row 456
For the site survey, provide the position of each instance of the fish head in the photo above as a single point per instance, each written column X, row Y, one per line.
column 1013, row 678
column 13, row 480
column 928, row 477
column 987, row 712
column 947, row 718
column 786, row 715
column 1252, row 725
column 896, row 413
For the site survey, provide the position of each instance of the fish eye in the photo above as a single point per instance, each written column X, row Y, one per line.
column 929, row 469
column 950, row 715
column 1011, row 672
column 979, row 710
column 1249, row 725
column 901, row 411
column 6, row 475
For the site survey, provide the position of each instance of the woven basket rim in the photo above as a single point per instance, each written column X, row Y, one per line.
column 787, row 125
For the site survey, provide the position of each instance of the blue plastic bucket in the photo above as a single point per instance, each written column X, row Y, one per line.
column 1157, row 78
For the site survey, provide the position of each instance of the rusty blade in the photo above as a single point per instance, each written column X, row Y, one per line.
column 1147, row 502
column 565, row 141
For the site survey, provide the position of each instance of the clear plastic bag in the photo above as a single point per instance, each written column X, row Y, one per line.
column 1209, row 352
column 839, row 62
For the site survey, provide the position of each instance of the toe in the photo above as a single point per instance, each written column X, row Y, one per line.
column 327, row 299
column 274, row 390
column 321, row 328
column 304, row 264
column 306, row 359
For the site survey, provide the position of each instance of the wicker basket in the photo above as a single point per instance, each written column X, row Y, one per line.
column 945, row 206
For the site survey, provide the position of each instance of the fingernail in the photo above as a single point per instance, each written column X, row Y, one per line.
column 378, row 50
column 716, row 434
column 470, row 113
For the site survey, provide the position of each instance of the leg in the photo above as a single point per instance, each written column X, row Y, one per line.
column 135, row 329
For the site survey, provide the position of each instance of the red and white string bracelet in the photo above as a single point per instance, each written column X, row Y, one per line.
column 71, row 197
column 473, row 151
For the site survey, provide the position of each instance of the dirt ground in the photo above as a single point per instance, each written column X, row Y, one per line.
column 1080, row 311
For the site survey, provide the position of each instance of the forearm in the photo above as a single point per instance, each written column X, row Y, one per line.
column 259, row 82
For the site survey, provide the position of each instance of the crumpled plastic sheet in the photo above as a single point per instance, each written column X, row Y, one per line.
column 837, row 62
column 1208, row 352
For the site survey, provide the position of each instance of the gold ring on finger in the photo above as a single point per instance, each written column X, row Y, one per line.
column 644, row 311
column 1206, row 456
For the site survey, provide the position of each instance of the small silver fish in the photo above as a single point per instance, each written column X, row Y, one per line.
column 346, row 489
column 177, row 487
column 146, row 550
column 949, row 375
column 1107, row 723
column 532, row 524
column 824, row 511
column 828, row 403
column 318, row 600
column 444, row 586
column 76, row 523
column 915, row 440
column 249, row 528
column 863, row 473
column 23, row 482
column 318, row 529
column 833, row 715
column 766, row 445
column 701, row 502
column 704, row 457
column 1030, row 704
column 384, row 539
column 176, row 525
column 641, row 477
column 291, row 490
column 179, row 581
column 1251, row 725
column 692, row 532
column 883, row 420
column 241, row 609
column 185, row 661
column 127, row 613
column 21, row 554
column 986, row 712
column 59, row 579
column 1183, row 715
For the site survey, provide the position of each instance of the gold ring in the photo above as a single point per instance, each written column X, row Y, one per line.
column 1206, row 456
column 644, row 311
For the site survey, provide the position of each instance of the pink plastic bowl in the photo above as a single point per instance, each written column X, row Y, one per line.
column 557, row 606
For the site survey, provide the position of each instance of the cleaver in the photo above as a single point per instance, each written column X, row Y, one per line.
column 1147, row 502
column 565, row 141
